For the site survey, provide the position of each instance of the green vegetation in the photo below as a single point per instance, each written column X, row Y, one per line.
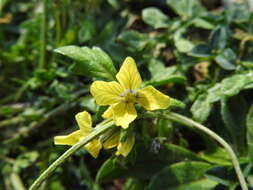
column 198, row 52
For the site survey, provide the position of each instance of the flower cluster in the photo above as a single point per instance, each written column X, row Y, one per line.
column 121, row 97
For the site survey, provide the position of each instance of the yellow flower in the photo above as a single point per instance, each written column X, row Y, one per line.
column 123, row 94
column 85, row 124
column 123, row 148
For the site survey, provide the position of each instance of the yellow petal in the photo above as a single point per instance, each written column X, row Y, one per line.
column 84, row 122
column 108, row 113
column 112, row 141
column 106, row 93
column 124, row 114
column 152, row 99
column 93, row 147
column 128, row 75
column 70, row 139
column 124, row 148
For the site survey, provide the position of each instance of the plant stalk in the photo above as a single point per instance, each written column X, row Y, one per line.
column 189, row 122
column 43, row 37
column 16, row 181
column 100, row 128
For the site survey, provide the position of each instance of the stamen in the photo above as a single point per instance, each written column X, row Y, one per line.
column 128, row 96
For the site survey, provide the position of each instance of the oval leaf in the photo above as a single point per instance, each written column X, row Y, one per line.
column 89, row 62
column 155, row 18
column 183, row 176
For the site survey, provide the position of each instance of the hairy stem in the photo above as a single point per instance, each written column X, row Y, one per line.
column 189, row 122
column 100, row 128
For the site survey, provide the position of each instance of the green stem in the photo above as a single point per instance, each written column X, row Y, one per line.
column 43, row 37
column 12, row 121
column 27, row 130
column 16, row 181
column 57, row 25
column 100, row 128
column 186, row 121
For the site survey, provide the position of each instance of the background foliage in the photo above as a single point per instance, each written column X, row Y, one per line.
column 199, row 52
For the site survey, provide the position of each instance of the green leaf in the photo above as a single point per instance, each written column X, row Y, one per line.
column 135, row 40
column 155, row 18
column 87, row 31
column 56, row 185
column 228, row 87
column 233, row 85
column 226, row 59
column 218, row 156
column 235, row 121
column 165, row 129
column 248, row 64
column 219, row 37
column 183, row 176
column 88, row 102
column 89, row 62
column 25, row 160
column 183, row 45
column 214, row 93
column 201, row 108
column 237, row 13
column 176, row 103
column 157, row 69
column 187, row 8
column 163, row 155
column 249, row 124
column 133, row 184
column 161, row 75
column 108, row 171
column 201, row 50
column 169, row 79
column 202, row 23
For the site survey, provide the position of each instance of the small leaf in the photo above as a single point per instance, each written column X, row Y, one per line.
column 135, row 40
column 88, row 102
column 89, row 62
column 165, row 154
column 169, row 79
column 235, row 121
column 226, row 59
column 155, row 18
column 133, row 184
column 219, row 36
column 165, row 129
column 187, row 8
column 176, row 103
column 201, row 108
column 233, row 85
column 218, row 156
column 183, row 176
column 249, row 123
column 237, row 13
column 214, row 93
column 108, row 171
column 183, row 45
column 202, row 23
column 87, row 31
column 157, row 69
column 161, row 75
column 201, row 50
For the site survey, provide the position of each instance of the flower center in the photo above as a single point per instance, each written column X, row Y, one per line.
column 129, row 96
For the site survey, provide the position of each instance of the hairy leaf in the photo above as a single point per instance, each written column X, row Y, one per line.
column 89, row 62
